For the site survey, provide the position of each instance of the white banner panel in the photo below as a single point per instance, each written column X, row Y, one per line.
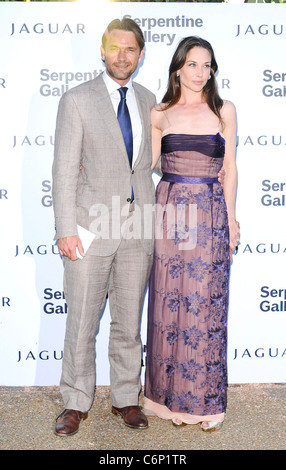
column 47, row 48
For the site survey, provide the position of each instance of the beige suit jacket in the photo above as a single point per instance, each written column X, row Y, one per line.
column 92, row 178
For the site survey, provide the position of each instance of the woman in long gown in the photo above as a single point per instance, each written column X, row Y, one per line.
column 194, row 132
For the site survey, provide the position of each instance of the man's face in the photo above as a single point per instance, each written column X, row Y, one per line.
column 121, row 55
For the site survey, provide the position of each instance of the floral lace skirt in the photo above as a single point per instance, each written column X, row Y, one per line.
column 186, row 362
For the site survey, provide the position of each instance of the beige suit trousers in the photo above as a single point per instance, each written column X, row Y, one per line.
column 124, row 275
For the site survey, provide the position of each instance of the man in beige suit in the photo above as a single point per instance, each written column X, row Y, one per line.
column 96, row 187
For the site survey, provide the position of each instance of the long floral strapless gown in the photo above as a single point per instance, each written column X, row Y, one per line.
column 186, row 366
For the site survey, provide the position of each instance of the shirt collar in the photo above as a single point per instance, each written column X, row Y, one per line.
column 112, row 85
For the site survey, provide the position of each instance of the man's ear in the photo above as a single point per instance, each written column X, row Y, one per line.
column 102, row 51
column 141, row 55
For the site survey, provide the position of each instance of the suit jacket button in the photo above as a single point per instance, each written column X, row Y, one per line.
column 128, row 199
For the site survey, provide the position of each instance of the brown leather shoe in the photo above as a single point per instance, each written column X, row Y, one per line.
column 132, row 416
column 67, row 423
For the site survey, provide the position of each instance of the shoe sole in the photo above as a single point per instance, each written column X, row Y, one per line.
column 66, row 434
column 178, row 425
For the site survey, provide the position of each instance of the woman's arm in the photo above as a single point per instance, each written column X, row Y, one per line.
column 230, row 181
column 156, row 135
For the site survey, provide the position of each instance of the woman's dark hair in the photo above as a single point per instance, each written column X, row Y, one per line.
column 210, row 91
column 126, row 24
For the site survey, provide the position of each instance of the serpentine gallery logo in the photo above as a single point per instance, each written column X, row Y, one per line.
column 274, row 300
column 275, row 83
column 153, row 31
column 57, row 83
column 54, row 302
column 274, row 193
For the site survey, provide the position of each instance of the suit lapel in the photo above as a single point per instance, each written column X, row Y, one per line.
column 103, row 103
column 141, row 103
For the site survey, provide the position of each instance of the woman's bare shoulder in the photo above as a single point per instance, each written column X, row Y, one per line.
column 158, row 115
column 228, row 107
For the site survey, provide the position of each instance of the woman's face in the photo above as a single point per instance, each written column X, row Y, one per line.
column 196, row 71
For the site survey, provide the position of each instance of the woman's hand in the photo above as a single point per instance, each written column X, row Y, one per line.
column 234, row 234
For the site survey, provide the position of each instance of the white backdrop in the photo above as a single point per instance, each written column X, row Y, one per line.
column 47, row 48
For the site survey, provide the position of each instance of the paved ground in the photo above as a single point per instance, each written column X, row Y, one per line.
column 255, row 420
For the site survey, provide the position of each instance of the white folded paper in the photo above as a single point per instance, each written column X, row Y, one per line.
column 86, row 238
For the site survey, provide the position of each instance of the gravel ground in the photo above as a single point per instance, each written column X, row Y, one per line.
column 255, row 420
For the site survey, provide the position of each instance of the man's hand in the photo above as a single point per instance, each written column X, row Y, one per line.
column 67, row 247
column 221, row 175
